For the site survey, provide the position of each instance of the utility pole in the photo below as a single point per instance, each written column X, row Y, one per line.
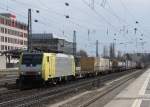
column 92, row 4
column 103, row 3
column 135, row 30
column 29, row 31
column 97, row 55
column 142, row 44
column 74, row 43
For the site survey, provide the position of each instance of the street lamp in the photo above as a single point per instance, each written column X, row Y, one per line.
column 67, row 4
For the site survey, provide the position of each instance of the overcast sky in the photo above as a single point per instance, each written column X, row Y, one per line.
column 103, row 20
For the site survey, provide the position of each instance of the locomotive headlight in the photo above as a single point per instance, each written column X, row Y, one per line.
column 22, row 73
column 39, row 73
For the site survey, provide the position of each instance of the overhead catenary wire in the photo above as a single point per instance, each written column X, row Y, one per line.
column 140, row 30
column 56, row 13
column 75, row 22
column 39, row 21
column 73, row 19
column 131, row 15
column 119, row 17
column 111, row 11
column 47, row 9
column 101, row 16
column 48, row 25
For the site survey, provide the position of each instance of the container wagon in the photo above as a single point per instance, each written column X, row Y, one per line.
column 87, row 65
column 102, row 65
column 94, row 66
column 114, row 66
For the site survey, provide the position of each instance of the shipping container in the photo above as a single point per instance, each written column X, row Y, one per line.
column 94, row 65
column 87, row 64
column 102, row 64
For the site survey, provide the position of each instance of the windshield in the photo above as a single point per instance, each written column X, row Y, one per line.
column 33, row 59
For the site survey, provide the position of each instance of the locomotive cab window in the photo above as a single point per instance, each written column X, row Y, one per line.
column 33, row 59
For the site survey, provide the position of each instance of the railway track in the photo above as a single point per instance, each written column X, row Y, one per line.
column 6, row 80
column 31, row 98
column 110, row 88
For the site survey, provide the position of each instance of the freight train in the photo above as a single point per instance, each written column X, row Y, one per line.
column 41, row 68
column 97, row 65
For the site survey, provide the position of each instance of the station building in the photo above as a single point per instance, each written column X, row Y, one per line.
column 49, row 43
column 13, row 34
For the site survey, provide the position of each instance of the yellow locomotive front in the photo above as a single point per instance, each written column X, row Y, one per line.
column 31, row 65
column 30, row 69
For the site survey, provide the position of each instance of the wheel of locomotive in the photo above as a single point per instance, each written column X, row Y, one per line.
column 37, row 83
column 70, row 78
column 47, row 83
column 17, row 83
column 21, row 84
column 41, row 82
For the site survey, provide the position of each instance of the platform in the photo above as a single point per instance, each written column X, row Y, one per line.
column 137, row 94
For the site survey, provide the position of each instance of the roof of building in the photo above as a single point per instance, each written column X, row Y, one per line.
column 9, row 16
column 42, row 36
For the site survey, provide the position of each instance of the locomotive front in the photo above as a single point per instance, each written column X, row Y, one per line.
column 30, row 68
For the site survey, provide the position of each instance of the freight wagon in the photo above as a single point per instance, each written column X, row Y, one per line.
column 45, row 67
column 102, row 65
column 92, row 65
column 130, row 64
column 87, row 66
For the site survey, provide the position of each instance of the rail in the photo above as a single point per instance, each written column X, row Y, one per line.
column 51, row 94
column 9, row 71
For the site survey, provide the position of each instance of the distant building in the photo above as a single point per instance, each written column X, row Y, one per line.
column 47, row 42
column 41, row 36
column 13, row 35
